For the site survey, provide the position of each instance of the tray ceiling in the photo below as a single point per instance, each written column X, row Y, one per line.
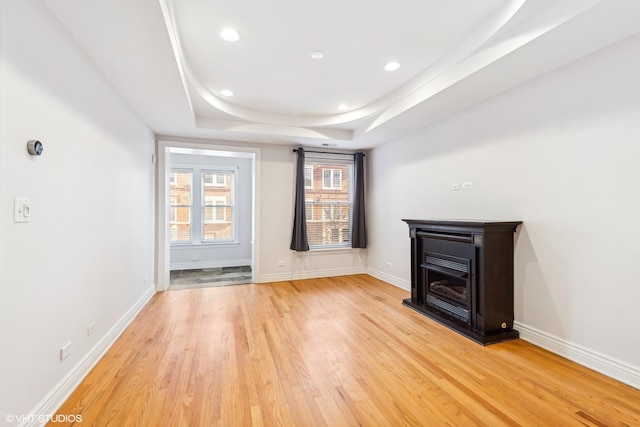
column 169, row 61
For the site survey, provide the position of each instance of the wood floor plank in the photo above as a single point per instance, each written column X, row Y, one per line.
column 337, row 351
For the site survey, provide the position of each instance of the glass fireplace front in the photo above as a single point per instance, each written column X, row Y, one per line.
column 447, row 284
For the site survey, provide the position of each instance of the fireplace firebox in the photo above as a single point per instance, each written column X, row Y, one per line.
column 462, row 276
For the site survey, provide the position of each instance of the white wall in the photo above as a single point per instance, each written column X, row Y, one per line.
column 87, row 254
column 560, row 153
column 219, row 254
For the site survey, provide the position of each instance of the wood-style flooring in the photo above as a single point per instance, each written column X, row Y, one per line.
column 338, row 351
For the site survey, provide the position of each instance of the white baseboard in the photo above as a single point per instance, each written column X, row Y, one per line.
column 209, row 264
column 61, row 392
column 602, row 363
column 315, row 274
column 392, row 280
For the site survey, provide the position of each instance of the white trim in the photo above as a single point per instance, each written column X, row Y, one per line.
column 599, row 362
column 210, row 264
column 61, row 392
column 392, row 280
column 315, row 274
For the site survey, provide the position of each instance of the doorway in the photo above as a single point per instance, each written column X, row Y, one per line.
column 207, row 214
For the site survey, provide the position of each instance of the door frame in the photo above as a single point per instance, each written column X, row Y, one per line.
column 163, row 248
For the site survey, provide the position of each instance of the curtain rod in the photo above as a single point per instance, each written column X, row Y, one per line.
column 295, row 150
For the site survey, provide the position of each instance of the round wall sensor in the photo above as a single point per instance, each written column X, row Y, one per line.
column 35, row 147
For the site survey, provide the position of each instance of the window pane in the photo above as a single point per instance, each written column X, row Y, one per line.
column 217, row 223
column 328, row 209
column 217, row 179
column 308, row 176
column 180, row 224
column 220, row 184
column 326, row 178
column 180, row 191
column 337, row 178
column 217, row 214
column 217, row 210
column 180, row 206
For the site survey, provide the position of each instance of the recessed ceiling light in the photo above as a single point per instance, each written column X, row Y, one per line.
column 392, row 66
column 226, row 92
column 317, row 55
column 343, row 107
column 230, row 35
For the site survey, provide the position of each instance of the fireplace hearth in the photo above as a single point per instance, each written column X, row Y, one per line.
column 462, row 276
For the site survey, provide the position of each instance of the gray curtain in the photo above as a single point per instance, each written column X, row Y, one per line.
column 359, row 227
column 299, row 241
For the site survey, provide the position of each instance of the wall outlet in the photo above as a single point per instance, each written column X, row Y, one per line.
column 65, row 351
column 455, row 186
column 91, row 328
column 281, row 264
column 389, row 265
column 467, row 185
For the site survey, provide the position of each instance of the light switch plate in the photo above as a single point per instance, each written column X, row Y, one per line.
column 21, row 210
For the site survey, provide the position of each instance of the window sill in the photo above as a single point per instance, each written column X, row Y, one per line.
column 336, row 250
column 203, row 245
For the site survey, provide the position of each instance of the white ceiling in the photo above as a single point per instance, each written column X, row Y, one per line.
column 166, row 58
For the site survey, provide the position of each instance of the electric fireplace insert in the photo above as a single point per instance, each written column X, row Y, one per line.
column 462, row 276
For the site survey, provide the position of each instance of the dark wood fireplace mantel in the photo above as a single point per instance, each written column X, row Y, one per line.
column 462, row 276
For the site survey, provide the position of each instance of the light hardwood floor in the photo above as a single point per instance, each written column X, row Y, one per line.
column 337, row 351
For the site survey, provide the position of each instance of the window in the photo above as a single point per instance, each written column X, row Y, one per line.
column 214, row 179
column 217, row 205
column 308, row 176
column 332, row 179
column 329, row 209
column 207, row 218
column 180, row 204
